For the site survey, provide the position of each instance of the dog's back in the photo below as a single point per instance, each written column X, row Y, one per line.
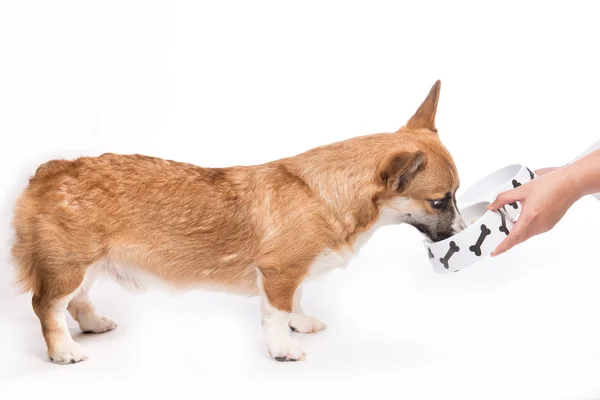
column 75, row 213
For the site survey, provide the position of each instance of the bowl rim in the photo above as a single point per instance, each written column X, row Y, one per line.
column 462, row 198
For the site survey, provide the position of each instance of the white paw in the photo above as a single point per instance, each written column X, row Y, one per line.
column 68, row 352
column 303, row 323
column 286, row 349
column 97, row 324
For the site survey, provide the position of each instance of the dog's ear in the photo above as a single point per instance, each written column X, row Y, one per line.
column 399, row 169
column 424, row 118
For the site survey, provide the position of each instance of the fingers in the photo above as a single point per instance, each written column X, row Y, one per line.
column 504, row 198
column 516, row 236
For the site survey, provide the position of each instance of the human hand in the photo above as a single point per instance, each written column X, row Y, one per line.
column 544, row 171
column 545, row 201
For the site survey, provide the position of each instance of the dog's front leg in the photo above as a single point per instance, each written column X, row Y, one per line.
column 301, row 322
column 277, row 298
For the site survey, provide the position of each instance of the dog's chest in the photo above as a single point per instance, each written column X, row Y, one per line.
column 330, row 259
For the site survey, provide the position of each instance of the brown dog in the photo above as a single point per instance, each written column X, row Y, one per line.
column 258, row 230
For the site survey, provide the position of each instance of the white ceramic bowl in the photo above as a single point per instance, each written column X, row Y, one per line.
column 495, row 183
column 485, row 230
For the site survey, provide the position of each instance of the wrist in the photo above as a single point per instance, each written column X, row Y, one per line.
column 575, row 184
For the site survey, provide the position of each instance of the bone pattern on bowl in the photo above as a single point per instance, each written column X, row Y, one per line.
column 485, row 229
column 475, row 248
column 446, row 259
column 492, row 224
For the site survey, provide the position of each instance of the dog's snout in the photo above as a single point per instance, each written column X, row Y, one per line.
column 459, row 224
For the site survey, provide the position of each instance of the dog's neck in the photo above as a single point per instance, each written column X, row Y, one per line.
column 345, row 181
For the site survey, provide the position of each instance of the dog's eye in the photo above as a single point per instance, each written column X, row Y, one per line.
column 440, row 203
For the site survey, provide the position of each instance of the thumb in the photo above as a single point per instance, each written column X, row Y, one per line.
column 504, row 198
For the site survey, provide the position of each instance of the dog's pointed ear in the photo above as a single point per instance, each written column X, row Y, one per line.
column 400, row 169
column 424, row 118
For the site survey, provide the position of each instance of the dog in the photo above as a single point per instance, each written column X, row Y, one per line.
column 257, row 230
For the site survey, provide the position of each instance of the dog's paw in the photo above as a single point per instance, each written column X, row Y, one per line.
column 97, row 324
column 303, row 323
column 286, row 349
column 68, row 353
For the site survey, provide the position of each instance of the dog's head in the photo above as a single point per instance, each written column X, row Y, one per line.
column 419, row 176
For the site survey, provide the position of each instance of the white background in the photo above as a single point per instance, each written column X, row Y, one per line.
column 248, row 82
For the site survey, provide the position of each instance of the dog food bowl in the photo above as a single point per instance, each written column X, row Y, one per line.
column 485, row 229
column 495, row 183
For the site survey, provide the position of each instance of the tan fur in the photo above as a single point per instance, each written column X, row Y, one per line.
column 216, row 226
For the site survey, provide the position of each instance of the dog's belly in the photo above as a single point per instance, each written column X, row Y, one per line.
column 137, row 279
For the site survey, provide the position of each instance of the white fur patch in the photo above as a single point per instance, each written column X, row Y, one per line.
column 93, row 322
column 276, row 325
column 459, row 223
column 64, row 349
column 394, row 213
column 329, row 260
column 303, row 323
column 68, row 352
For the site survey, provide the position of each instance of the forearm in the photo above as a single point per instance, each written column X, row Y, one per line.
column 584, row 174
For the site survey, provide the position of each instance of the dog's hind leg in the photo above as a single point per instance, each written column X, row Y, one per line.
column 50, row 301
